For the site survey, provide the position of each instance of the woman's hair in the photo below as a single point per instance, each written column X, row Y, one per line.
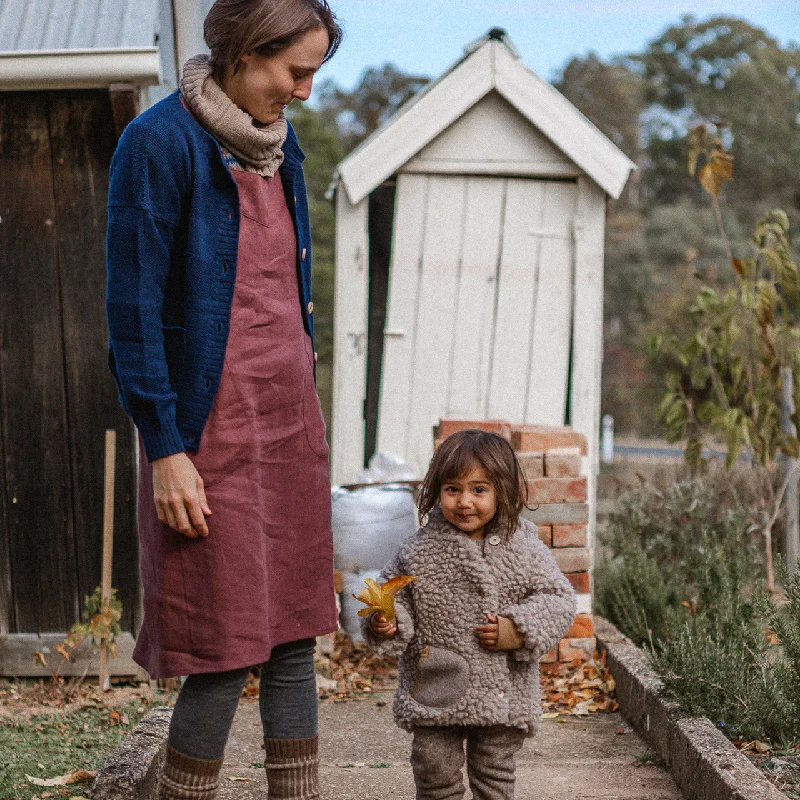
column 458, row 454
column 235, row 27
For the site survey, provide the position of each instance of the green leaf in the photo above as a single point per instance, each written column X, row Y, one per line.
column 699, row 375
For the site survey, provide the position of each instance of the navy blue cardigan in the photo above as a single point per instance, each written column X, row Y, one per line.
column 173, row 232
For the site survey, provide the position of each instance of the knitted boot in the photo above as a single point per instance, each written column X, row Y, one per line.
column 292, row 768
column 186, row 778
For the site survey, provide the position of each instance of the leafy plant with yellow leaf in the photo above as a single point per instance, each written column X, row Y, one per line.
column 99, row 620
column 726, row 380
column 380, row 597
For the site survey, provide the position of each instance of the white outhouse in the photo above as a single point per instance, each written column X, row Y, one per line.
column 469, row 263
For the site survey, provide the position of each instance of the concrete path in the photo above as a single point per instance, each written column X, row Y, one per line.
column 365, row 757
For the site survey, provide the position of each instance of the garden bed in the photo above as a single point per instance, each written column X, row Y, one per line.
column 703, row 762
column 48, row 732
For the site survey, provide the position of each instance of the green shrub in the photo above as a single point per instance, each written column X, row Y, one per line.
column 683, row 576
column 631, row 591
column 784, row 620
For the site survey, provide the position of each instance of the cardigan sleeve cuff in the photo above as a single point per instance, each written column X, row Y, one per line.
column 162, row 443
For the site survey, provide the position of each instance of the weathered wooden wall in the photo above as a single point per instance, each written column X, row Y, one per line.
column 57, row 396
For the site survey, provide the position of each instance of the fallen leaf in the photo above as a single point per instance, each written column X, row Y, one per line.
column 236, row 779
column 551, row 715
column 381, row 597
column 761, row 747
column 77, row 776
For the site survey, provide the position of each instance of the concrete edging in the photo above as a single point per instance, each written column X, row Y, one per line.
column 703, row 763
column 131, row 772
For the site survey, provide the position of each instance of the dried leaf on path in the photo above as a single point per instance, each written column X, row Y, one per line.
column 76, row 776
column 577, row 689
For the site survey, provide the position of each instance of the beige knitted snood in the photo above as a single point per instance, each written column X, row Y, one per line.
column 256, row 147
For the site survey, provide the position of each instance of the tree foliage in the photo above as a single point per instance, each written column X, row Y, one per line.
column 379, row 93
column 731, row 72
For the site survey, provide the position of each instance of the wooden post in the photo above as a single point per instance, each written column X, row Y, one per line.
column 108, row 547
column 790, row 516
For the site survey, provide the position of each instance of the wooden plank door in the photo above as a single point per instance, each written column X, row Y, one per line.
column 56, row 394
column 479, row 314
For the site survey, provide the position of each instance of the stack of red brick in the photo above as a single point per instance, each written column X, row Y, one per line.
column 557, row 496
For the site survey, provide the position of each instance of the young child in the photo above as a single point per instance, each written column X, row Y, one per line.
column 487, row 602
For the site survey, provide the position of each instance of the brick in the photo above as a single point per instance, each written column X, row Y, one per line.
column 448, row 426
column 558, row 514
column 579, row 581
column 550, row 658
column 562, row 462
column 545, row 534
column 577, row 649
column 570, row 535
column 549, row 669
column 571, row 559
column 544, row 437
column 582, row 627
column 557, row 490
column 532, row 464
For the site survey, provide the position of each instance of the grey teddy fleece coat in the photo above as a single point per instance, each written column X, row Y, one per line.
column 446, row 677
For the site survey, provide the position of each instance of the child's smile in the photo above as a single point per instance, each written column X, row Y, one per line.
column 469, row 502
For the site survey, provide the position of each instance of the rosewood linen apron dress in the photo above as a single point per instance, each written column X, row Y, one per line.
column 264, row 574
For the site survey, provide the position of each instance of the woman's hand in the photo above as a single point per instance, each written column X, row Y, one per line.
column 179, row 495
column 383, row 628
column 499, row 633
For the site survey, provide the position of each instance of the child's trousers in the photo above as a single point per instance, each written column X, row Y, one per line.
column 437, row 758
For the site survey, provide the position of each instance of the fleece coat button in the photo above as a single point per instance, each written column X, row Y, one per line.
column 310, row 308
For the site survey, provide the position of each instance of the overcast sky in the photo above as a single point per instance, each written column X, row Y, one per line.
column 426, row 36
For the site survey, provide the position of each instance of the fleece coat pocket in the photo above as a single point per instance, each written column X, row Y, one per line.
column 442, row 677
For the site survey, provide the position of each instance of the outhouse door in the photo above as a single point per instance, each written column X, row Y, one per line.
column 480, row 305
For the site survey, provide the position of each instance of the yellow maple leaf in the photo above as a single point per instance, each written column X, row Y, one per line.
column 381, row 597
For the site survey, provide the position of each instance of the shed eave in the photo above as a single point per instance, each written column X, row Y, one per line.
column 29, row 70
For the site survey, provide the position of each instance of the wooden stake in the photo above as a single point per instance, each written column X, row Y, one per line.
column 108, row 547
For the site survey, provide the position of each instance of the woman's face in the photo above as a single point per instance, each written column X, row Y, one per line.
column 264, row 85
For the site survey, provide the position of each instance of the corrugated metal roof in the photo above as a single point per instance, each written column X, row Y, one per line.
column 77, row 24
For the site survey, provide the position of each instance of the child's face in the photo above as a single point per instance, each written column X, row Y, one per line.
column 469, row 502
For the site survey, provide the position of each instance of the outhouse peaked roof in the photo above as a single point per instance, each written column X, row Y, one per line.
column 489, row 64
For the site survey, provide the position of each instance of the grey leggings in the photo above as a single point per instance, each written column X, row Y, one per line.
column 207, row 702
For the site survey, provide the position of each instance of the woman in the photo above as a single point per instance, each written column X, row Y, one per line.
column 211, row 326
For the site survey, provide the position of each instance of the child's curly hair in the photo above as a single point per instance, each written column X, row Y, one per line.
column 456, row 456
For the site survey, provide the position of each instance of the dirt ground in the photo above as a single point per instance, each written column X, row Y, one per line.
column 21, row 700
column 365, row 756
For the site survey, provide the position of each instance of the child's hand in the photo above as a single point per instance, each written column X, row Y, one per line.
column 499, row 634
column 488, row 633
column 383, row 628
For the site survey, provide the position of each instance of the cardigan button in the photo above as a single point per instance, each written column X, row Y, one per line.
column 303, row 255
column 310, row 308
column 494, row 539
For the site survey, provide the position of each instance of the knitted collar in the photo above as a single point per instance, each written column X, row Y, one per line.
column 257, row 147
